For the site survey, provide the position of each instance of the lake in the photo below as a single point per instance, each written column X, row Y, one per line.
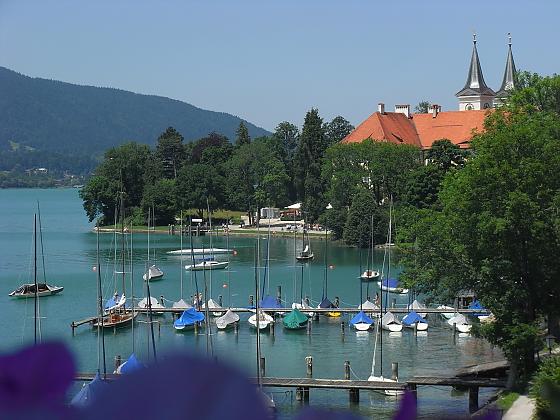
column 70, row 255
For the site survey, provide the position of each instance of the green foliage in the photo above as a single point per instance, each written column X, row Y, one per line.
column 288, row 134
column 545, row 389
column 335, row 221
column 162, row 197
column 422, row 107
column 357, row 230
column 446, row 155
column 170, row 152
column 337, row 129
column 506, row 400
column 242, row 135
column 422, row 186
column 198, row 183
column 536, row 93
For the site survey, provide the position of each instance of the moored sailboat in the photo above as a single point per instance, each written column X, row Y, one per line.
column 188, row 319
column 361, row 322
column 415, row 320
column 390, row 322
column 227, row 320
column 295, row 320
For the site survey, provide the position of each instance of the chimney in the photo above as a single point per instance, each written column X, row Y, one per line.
column 381, row 108
column 434, row 108
column 403, row 109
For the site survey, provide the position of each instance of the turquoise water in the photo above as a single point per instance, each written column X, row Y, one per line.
column 70, row 252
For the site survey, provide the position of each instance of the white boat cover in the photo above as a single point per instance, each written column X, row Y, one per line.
column 417, row 307
column 458, row 319
column 227, row 319
column 212, row 304
column 263, row 317
column 181, row 304
column 153, row 272
column 389, row 318
column 155, row 303
column 369, row 305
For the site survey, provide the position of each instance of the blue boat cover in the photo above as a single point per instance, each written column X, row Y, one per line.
column 189, row 317
column 204, row 259
column 270, row 302
column 412, row 318
column 89, row 391
column 131, row 365
column 361, row 318
column 112, row 302
column 477, row 305
column 391, row 283
column 326, row 303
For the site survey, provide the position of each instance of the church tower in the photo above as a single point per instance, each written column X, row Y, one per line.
column 475, row 95
column 509, row 81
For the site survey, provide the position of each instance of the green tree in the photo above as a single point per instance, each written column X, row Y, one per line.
column 422, row 107
column 422, row 186
column 162, row 197
column 446, row 155
column 122, row 169
column 198, row 183
column 288, row 134
column 357, row 230
column 536, row 93
column 337, row 129
column 170, row 152
column 497, row 231
column 242, row 135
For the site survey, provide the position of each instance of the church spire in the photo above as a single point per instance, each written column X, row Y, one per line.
column 476, row 94
column 508, row 83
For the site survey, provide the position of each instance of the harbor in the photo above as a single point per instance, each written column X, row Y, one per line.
column 436, row 353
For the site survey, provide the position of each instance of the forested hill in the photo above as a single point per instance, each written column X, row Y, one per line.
column 52, row 117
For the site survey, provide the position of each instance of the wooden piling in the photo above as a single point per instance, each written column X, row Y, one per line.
column 347, row 370
column 220, row 300
column 353, row 393
column 473, row 399
column 395, row 371
column 309, row 327
column 118, row 361
column 394, row 303
column 309, row 364
column 263, row 367
column 251, row 300
column 162, row 300
column 236, row 327
column 342, row 327
column 279, row 293
column 416, row 328
column 271, row 326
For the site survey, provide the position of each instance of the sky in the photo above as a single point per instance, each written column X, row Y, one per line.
column 271, row 61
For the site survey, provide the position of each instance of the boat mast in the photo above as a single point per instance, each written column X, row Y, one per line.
column 150, row 314
column 211, row 247
column 122, row 244
column 35, row 273
column 326, row 268
column 132, row 282
column 181, row 263
column 41, row 237
column 295, row 255
column 100, row 329
column 257, row 286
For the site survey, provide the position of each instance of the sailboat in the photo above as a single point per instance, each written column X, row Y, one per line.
column 325, row 302
column 460, row 322
column 392, row 286
column 370, row 274
column 227, row 320
column 153, row 272
column 447, row 315
column 187, row 319
column 390, row 322
column 154, row 303
column 115, row 314
column 361, row 321
column 303, row 305
column 207, row 264
column 381, row 378
column 262, row 321
column 417, row 307
column 306, row 254
column 415, row 320
column 36, row 290
column 132, row 364
column 295, row 320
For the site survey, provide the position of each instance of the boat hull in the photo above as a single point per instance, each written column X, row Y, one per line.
column 53, row 290
column 420, row 326
column 373, row 276
column 392, row 327
column 301, row 258
column 362, row 326
column 116, row 320
column 389, row 392
column 208, row 266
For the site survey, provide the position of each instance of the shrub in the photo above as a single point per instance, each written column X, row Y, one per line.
column 545, row 388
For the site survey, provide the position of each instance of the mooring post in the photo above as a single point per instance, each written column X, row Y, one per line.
column 251, row 300
column 196, row 328
column 342, row 327
column 118, row 361
column 220, row 299
column 309, row 364
column 316, row 316
column 473, row 399
column 347, row 370
column 236, row 327
column 307, row 300
column 353, row 393
column 394, row 304
column 272, row 328
column 416, row 328
column 159, row 328
column 413, row 390
column 263, row 367
column 454, row 328
column 395, row 371
column 162, row 300
column 308, row 327
column 336, row 302
column 279, row 293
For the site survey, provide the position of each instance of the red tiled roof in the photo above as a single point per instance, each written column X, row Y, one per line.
column 422, row 129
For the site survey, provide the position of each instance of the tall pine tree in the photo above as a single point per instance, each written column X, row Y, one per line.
column 242, row 135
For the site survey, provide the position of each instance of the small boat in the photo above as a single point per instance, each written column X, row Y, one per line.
column 143, row 304
column 370, row 308
column 305, row 255
column 115, row 302
column 390, row 322
column 89, row 392
column 482, row 316
column 303, row 307
column 28, row 290
column 295, row 320
column 264, row 320
column 200, row 251
column 115, row 319
column 181, row 304
column 417, row 307
column 207, row 265
column 269, row 303
column 154, row 273
column 361, row 321
column 132, row 364
column 213, row 306
column 326, row 304
column 460, row 323
column 390, row 392
column 187, row 319
column 413, row 319
column 392, row 286
column 370, row 275
column 227, row 320
column 447, row 315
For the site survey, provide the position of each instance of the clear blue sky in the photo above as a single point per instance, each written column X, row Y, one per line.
column 269, row 61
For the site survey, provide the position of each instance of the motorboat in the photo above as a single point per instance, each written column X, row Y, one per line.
column 28, row 290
